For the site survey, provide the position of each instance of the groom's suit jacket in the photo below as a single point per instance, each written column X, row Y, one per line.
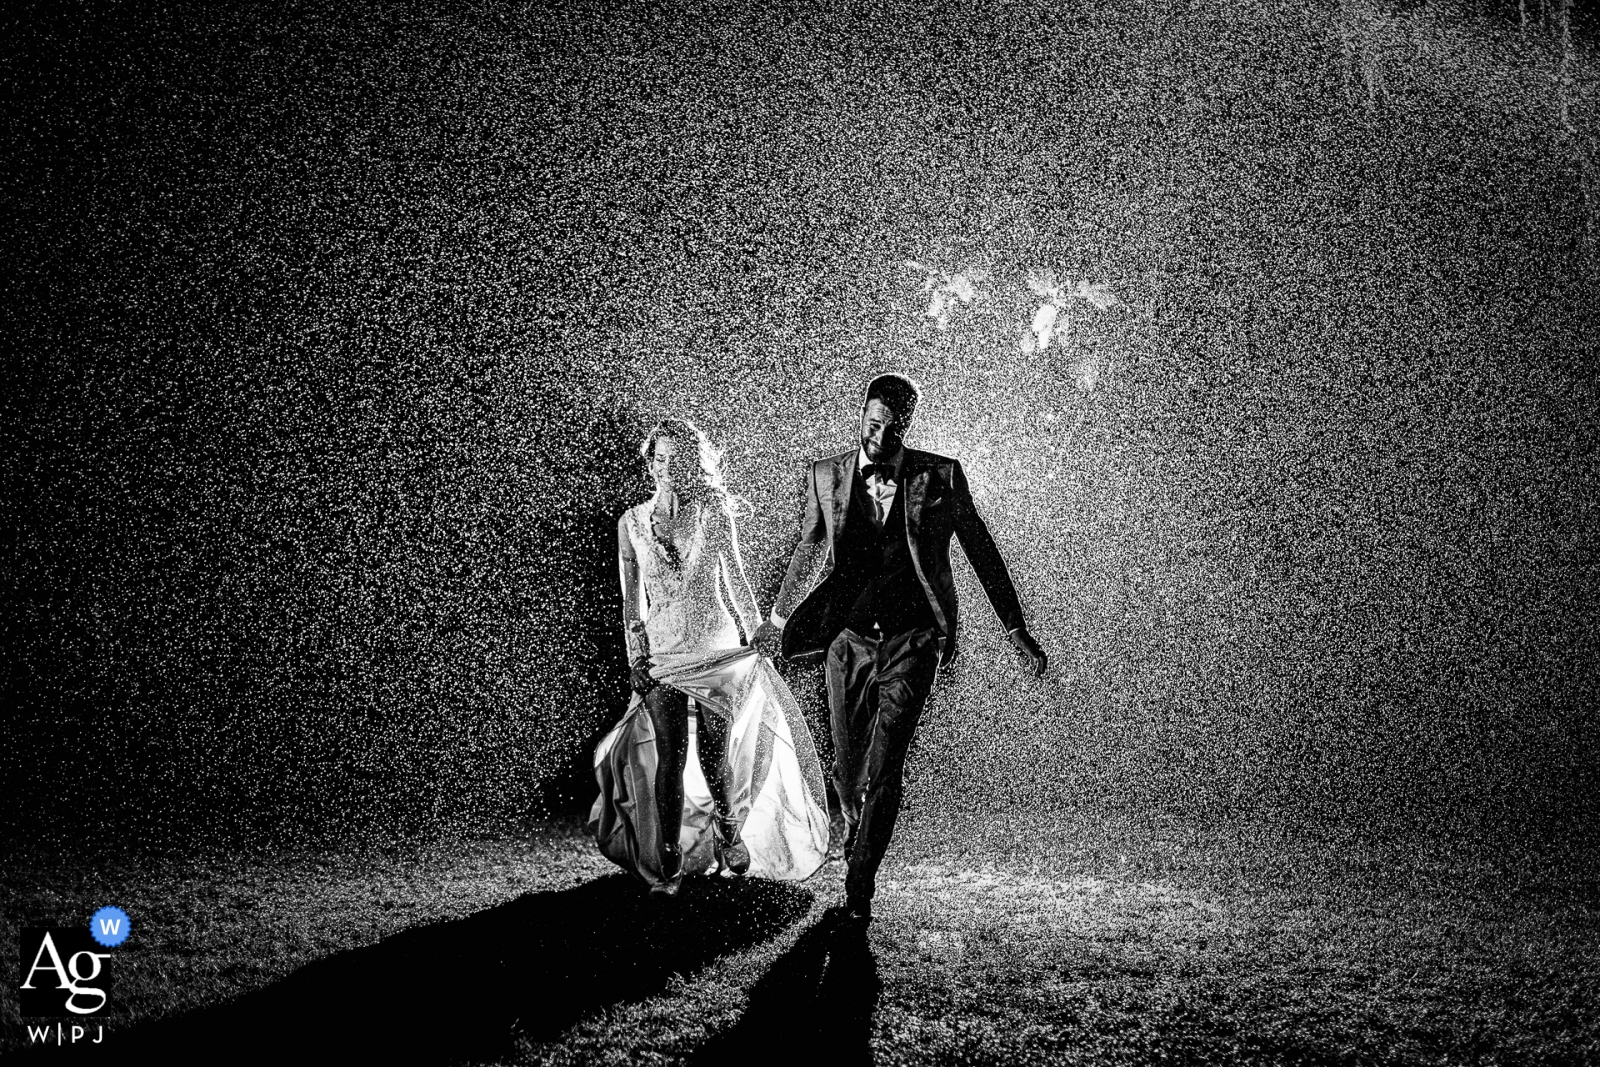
column 937, row 505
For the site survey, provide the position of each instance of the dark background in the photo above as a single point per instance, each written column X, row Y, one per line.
column 333, row 336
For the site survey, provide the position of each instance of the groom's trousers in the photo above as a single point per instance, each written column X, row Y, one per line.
column 877, row 688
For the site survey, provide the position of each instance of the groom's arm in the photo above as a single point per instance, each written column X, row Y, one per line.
column 813, row 533
column 985, row 557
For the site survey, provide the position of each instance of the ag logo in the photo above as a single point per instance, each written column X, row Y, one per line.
column 63, row 972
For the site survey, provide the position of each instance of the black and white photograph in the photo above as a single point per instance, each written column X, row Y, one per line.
column 979, row 533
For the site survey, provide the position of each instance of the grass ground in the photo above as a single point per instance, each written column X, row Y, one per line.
column 1082, row 941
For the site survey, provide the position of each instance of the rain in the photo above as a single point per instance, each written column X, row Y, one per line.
column 1265, row 334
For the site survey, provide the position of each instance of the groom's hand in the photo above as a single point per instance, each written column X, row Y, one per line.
column 1030, row 651
column 768, row 639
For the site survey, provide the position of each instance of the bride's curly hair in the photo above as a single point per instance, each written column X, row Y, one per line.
column 683, row 431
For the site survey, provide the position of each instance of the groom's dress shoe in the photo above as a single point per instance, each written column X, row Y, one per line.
column 857, row 895
column 665, row 892
column 858, row 892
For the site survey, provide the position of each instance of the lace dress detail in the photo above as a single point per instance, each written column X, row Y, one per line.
column 684, row 610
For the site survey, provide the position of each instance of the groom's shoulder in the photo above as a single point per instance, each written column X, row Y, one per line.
column 930, row 459
column 829, row 462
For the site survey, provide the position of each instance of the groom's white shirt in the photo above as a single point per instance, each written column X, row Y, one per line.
column 882, row 490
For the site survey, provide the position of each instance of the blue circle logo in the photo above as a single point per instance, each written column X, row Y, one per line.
column 110, row 926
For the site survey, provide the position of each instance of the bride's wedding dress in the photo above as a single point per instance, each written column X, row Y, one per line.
column 772, row 778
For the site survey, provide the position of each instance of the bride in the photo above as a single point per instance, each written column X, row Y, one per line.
column 752, row 800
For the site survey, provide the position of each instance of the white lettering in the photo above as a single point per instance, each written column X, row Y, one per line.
column 55, row 965
column 77, row 1032
column 109, row 927
column 77, row 990
column 100, row 1035
column 42, row 1034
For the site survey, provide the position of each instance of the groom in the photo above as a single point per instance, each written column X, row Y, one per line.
column 885, row 609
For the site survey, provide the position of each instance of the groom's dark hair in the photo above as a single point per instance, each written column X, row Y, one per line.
column 898, row 393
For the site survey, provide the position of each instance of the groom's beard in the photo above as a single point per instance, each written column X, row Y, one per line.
column 877, row 453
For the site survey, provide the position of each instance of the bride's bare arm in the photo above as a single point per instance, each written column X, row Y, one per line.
column 736, row 582
column 632, row 616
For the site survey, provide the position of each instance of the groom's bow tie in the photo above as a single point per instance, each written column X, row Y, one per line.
column 884, row 471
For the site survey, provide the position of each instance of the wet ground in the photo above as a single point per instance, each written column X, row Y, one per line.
column 1077, row 940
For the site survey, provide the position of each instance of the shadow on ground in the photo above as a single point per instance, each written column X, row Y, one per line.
column 469, row 989
column 820, row 995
